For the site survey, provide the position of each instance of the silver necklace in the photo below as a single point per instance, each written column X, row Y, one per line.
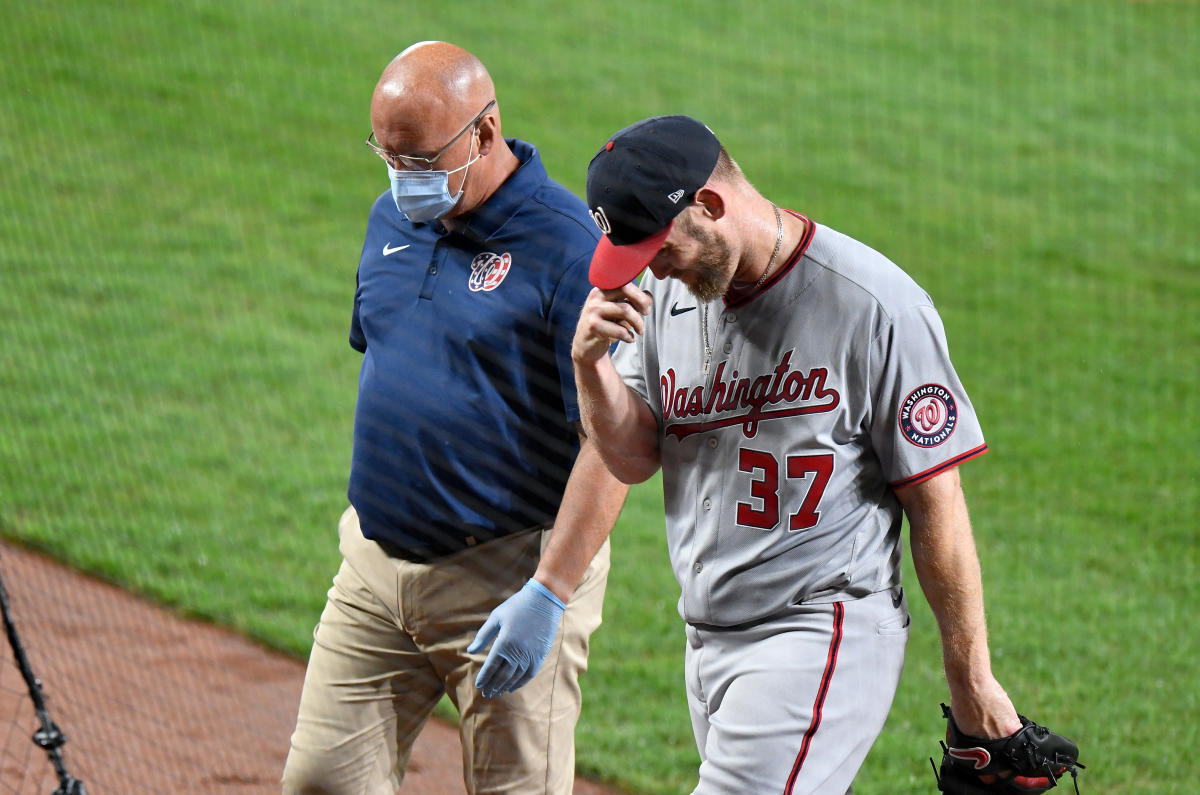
column 778, row 243
column 757, row 284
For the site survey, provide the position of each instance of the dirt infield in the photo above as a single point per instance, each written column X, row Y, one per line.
column 151, row 703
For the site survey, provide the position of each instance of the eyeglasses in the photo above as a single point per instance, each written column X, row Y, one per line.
column 415, row 162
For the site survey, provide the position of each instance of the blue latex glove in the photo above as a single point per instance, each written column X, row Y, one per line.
column 523, row 626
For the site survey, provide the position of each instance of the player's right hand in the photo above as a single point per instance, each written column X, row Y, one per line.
column 608, row 316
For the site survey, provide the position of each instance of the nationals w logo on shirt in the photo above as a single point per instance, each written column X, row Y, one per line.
column 488, row 270
column 744, row 400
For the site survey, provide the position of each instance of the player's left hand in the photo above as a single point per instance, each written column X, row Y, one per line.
column 1027, row 762
column 523, row 626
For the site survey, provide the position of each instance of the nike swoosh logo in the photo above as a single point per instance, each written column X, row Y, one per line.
column 979, row 756
column 675, row 310
column 387, row 248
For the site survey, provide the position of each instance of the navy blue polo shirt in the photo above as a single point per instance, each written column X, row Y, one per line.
column 464, row 427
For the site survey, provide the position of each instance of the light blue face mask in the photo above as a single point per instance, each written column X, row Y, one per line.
column 425, row 195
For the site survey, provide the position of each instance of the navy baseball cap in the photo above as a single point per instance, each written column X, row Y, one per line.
column 637, row 183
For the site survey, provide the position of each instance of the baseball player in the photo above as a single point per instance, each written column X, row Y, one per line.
column 795, row 388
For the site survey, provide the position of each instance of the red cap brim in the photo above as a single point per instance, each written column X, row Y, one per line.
column 615, row 266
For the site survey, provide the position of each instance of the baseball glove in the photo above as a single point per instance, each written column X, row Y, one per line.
column 1029, row 761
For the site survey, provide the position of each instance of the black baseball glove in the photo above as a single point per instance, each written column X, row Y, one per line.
column 1029, row 761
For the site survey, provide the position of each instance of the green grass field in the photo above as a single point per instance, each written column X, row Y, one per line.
column 183, row 190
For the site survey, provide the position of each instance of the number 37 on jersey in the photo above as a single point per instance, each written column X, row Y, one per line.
column 762, row 509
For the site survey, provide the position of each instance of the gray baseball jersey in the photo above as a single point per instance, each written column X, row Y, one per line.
column 787, row 415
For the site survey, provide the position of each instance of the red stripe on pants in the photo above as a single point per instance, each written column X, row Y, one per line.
column 830, row 663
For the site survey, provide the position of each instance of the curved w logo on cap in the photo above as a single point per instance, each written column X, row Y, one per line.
column 601, row 220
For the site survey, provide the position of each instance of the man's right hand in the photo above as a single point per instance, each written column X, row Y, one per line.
column 523, row 627
column 608, row 316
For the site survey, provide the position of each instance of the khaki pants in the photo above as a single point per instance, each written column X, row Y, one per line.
column 392, row 640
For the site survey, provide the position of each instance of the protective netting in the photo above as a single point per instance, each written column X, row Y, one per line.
column 183, row 188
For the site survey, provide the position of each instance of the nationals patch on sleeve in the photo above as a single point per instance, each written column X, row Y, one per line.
column 928, row 415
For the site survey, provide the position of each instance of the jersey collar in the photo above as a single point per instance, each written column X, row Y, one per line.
column 736, row 298
column 485, row 220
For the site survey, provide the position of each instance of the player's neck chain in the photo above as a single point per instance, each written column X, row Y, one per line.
column 778, row 245
column 757, row 284
column 707, row 344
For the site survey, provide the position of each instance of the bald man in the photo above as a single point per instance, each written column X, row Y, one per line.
column 467, row 452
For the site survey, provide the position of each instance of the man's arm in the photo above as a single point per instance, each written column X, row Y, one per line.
column 947, row 566
column 614, row 417
column 618, row 442
column 590, row 505
column 524, row 625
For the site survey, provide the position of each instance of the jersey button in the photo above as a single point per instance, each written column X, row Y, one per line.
column 730, row 317
column 708, row 505
column 698, row 567
column 729, row 347
column 712, row 442
column 433, row 269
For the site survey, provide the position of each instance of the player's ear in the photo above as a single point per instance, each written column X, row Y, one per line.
column 711, row 203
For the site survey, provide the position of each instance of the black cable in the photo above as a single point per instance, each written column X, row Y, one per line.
column 49, row 737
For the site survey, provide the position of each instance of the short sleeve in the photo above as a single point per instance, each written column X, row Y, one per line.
column 922, row 422
column 635, row 363
column 627, row 358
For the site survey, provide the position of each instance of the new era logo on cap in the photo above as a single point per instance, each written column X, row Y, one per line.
column 638, row 182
